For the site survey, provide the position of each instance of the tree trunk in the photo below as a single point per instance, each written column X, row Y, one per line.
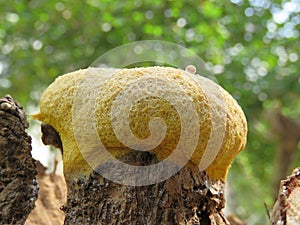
column 18, row 186
column 289, row 136
column 187, row 198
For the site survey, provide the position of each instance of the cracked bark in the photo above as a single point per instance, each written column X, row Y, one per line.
column 18, row 186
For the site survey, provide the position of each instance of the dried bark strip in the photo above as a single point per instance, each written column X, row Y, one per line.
column 18, row 186
column 286, row 210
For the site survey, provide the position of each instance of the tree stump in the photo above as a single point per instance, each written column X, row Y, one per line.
column 187, row 198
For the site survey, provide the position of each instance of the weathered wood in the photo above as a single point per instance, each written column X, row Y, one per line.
column 286, row 210
column 18, row 186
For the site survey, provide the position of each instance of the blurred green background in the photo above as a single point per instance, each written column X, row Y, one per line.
column 253, row 48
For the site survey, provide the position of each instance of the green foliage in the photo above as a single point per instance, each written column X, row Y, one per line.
column 252, row 46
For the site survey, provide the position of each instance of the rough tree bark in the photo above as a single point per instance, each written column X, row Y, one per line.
column 187, row 198
column 178, row 200
column 18, row 186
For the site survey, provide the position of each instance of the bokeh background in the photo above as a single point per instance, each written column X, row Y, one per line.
column 253, row 48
